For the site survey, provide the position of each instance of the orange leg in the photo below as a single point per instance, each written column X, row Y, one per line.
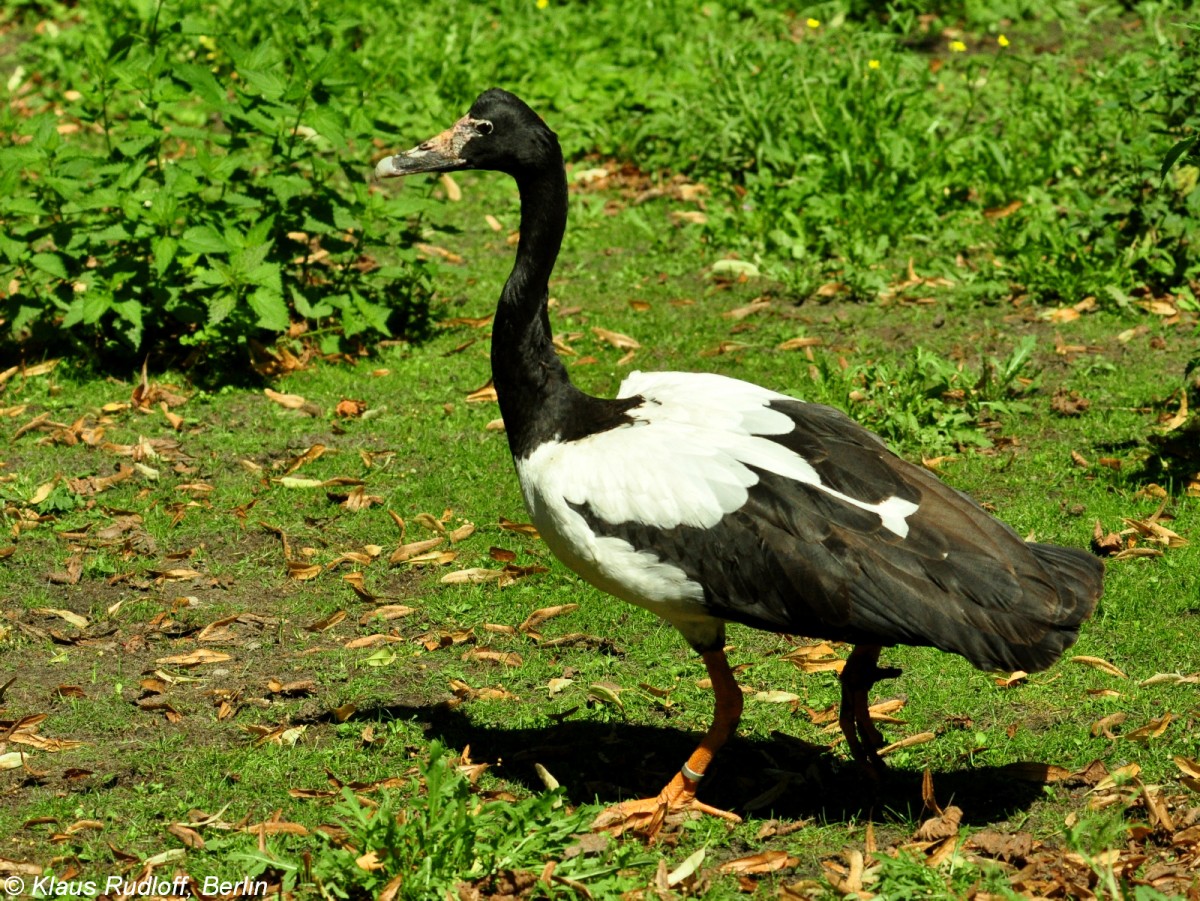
column 858, row 677
column 645, row 817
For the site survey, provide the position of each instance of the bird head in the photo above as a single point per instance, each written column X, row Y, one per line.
column 499, row 132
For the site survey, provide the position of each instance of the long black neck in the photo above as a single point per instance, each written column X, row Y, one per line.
column 537, row 400
column 531, row 382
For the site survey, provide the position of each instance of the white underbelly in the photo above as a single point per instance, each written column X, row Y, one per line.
column 612, row 564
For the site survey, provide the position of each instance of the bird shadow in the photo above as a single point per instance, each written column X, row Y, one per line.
column 780, row 776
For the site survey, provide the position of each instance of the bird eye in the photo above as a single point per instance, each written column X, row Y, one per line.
column 484, row 127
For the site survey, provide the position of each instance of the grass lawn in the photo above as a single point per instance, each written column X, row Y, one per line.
column 282, row 622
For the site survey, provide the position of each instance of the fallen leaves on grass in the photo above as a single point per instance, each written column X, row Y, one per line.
column 275, row 735
column 407, row 552
column 293, row 402
column 757, row 864
column 522, row 528
column 534, row 621
column 616, row 339
column 1069, row 403
column 502, row 577
column 484, row 394
column 326, row 623
column 198, row 657
column 815, row 658
column 1153, row 729
column 489, row 655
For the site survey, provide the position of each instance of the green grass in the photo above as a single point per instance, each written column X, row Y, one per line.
column 823, row 171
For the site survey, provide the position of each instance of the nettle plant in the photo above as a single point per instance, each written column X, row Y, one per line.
column 164, row 181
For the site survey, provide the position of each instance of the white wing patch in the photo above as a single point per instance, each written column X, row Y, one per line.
column 686, row 459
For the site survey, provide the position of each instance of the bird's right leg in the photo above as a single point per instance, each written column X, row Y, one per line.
column 645, row 817
column 858, row 677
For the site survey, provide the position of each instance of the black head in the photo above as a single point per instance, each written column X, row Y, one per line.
column 499, row 132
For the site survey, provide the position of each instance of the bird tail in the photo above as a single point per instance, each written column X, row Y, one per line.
column 1077, row 577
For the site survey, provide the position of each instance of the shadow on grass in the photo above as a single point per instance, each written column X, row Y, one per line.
column 778, row 777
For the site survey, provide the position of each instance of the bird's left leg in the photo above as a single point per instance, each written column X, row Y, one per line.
column 645, row 817
column 858, row 677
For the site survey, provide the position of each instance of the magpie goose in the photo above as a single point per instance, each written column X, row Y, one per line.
column 709, row 500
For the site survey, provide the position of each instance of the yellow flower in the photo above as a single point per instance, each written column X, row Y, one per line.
column 872, row 64
column 1002, row 41
column 814, row 23
column 542, row 4
column 957, row 46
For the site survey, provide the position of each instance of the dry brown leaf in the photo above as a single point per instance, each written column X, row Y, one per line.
column 434, row 558
column 277, row 827
column 1180, row 416
column 485, row 393
column 463, row 532
column 1104, row 725
column 1106, row 544
column 1015, row 678
column 1152, row 729
column 942, row 826
column 535, row 619
column 1059, row 315
column 1032, row 771
column 1009, row 847
column 819, row 666
column 1156, row 532
column 472, row 576
column 755, row 306
column 1097, row 663
column 386, row 612
column 1069, row 403
column 763, row 862
column 303, row 572
column 798, row 343
column 327, row 623
column 290, row 401
column 1158, row 307
column 79, row 622
column 810, row 651
column 1119, row 776
column 919, row 739
column 435, row 250
column 187, row 835
column 724, row 347
column 453, row 191
column 430, row 522
column 928, row 798
column 616, row 339
column 775, row 697
column 523, row 528
column 198, row 657
column 370, row 641
column 408, row 551
column 1002, row 212
column 300, row 688
column 1189, row 766
column 846, row 880
column 505, row 658
column 355, row 558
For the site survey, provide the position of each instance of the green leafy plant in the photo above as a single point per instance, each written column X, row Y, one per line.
column 199, row 187
column 931, row 403
column 443, row 834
